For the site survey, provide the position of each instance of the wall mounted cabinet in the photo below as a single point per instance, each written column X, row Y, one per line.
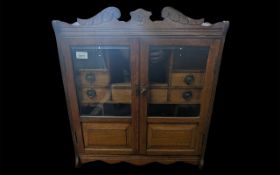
column 140, row 91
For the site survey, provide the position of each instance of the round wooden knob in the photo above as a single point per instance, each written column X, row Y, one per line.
column 187, row 95
column 91, row 93
column 189, row 79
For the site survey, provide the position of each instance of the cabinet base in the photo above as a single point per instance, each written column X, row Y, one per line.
column 139, row 159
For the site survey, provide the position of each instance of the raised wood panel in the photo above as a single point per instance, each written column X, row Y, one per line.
column 168, row 139
column 158, row 95
column 176, row 96
column 102, row 95
column 107, row 135
column 178, row 79
column 100, row 77
column 171, row 138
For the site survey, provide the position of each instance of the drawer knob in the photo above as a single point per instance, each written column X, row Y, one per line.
column 90, row 77
column 187, row 95
column 189, row 79
column 91, row 93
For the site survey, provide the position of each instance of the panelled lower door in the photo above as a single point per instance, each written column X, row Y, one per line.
column 105, row 72
column 173, row 92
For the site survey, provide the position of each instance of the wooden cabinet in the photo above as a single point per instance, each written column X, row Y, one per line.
column 140, row 91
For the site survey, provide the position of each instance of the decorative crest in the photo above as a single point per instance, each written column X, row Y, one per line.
column 140, row 16
column 169, row 13
column 109, row 14
column 172, row 18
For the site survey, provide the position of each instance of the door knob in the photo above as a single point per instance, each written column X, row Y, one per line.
column 143, row 90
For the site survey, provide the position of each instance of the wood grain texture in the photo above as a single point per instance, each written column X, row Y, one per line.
column 139, row 159
column 140, row 139
column 178, row 79
column 172, row 139
column 121, row 93
column 176, row 96
column 158, row 95
column 101, row 77
column 174, row 23
column 102, row 95
column 102, row 137
column 218, row 46
column 105, row 134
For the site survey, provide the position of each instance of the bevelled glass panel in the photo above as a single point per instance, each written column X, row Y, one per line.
column 190, row 57
column 158, row 64
column 176, row 76
column 103, row 80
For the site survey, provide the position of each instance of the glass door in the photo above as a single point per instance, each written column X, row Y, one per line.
column 103, row 80
column 104, row 74
column 174, row 73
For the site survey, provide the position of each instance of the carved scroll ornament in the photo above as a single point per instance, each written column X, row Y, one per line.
column 139, row 17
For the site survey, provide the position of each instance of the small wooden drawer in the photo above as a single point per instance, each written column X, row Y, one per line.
column 187, row 79
column 95, row 95
column 121, row 92
column 158, row 95
column 184, row 96
column 94, row 77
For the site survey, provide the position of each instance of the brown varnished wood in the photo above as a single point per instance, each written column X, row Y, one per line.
column 144, row 62
column 102, row 95
column 121, row 93
column 70, row 85
column 106, row 134
column 140, row 139
column 134, row 61
column 158, row 95
column 160, row 119
column 206, row 122
column 71, row 118
column 177, row 79
column 72, row 96
column 176, row 96
column 172, row 139
column 208, row 88
column 140, row 159
column 100, row 138
column 106, row 119
column 102, row 77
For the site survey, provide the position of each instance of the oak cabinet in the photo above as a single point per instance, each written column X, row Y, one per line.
column 140, row 91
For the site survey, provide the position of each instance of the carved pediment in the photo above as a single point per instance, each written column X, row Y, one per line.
column 109, row 14
column 171, row 17
column 169, row 13
column 174, row 22
column 140, row 16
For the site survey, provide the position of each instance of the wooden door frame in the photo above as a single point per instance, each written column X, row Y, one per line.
column 206, row 94
column 70, row 86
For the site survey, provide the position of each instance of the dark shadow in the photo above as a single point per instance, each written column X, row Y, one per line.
column 99, row 167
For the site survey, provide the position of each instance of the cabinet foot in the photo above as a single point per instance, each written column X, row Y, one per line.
column 201, row 164
column 77, row 162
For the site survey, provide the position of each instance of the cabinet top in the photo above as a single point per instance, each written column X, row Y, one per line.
column 106, row 23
